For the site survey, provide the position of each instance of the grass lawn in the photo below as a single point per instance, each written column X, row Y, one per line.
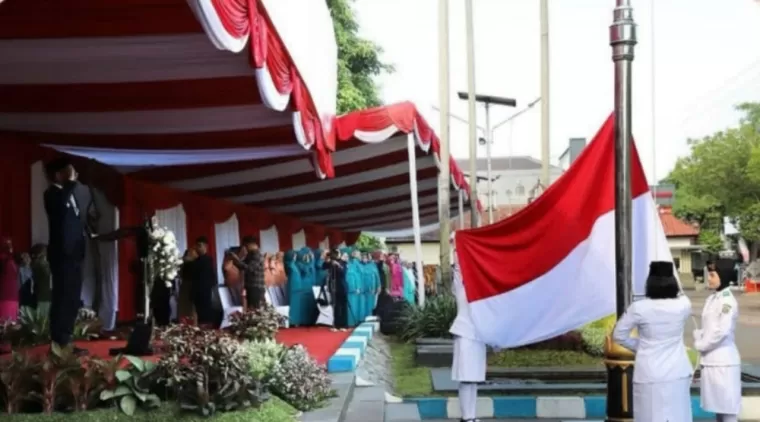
column 411, row 380
column 408, row 378
column 274, row 410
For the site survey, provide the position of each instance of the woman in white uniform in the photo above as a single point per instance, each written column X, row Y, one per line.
column 469, row 360
column 662, row 378
column 720, row 361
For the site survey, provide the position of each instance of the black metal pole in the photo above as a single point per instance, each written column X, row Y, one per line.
column 618, row 360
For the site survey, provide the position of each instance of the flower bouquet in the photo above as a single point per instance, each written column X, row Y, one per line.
column 165, row 260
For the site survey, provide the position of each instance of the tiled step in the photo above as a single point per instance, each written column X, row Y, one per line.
column 367, row 405
column 336, row 410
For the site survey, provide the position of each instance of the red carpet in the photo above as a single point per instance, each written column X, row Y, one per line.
column 320, row 342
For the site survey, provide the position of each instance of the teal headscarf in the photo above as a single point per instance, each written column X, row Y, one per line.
column 305, row 266
column 291, row 269
column 321, row 274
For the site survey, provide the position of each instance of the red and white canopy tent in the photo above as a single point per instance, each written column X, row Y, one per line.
column 147, row 88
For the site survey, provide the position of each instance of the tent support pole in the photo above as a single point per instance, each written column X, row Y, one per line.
column 412, row 152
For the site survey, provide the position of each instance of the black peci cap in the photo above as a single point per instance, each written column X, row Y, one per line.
column 661, row 269
column 54, row 166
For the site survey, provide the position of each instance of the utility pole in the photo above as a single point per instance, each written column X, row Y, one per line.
column 619, row 360
column 472, row 114
column 545, row 138
column 444, row 176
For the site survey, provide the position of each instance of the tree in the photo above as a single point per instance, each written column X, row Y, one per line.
column 369, row 243
column 358, row 64
column 358, row 61
column 721, row 177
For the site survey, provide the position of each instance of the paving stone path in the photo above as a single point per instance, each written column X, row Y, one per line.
column 375, row 367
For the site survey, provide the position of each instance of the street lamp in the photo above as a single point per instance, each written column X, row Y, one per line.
column 487, row 139
column 487, row 100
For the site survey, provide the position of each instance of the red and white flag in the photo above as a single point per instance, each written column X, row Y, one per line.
column 550, row 268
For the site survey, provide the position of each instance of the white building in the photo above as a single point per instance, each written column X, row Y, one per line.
column 514, row 179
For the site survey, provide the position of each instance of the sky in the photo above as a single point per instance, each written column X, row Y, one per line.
column 704, row 60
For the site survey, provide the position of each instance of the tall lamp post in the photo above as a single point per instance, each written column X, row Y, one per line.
column 618, row 360
column 487, row 100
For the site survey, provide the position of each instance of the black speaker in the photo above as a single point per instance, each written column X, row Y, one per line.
column 138, row 343
column 390, row 316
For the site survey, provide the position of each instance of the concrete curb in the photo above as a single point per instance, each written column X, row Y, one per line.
column 550, row 407
column 347, row 357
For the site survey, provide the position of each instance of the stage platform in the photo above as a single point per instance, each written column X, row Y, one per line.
column 320, row 342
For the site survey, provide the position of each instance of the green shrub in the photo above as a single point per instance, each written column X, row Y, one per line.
column 133, row 390
column 595, row 334
column 208, row 372
column 263, row 356
column 300, row 380
column 432, row 321
column 607, row 323
column 593, row 340
column 256, row 324
column 33, row 326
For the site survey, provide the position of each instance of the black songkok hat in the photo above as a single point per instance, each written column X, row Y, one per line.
column 663, row 269
column 54, row 166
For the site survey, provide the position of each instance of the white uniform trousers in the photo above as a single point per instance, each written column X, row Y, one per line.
column 469, row 363
column 721, row 389
column 668, row 401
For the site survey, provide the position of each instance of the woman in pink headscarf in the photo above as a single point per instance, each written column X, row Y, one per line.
column 9, row 286
column 397, row 277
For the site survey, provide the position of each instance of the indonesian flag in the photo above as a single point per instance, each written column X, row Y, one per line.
column 550, row 268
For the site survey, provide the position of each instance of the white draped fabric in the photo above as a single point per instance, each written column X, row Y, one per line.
column 90, row 264
column 325, row 244
column 299, row 240
column 411, row 150
column 175, row 219
column 268, row 240
column 109, row 261
column 227, row 235
column 309, row 37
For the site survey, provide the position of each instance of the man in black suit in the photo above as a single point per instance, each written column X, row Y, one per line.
column 66, row 250
column 205, row 281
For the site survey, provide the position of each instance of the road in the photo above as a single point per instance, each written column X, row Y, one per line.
column 748, row 327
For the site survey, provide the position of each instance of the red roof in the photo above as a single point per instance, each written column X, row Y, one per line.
column 674, row 226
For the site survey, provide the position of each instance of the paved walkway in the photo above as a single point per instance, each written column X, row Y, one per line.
column 748, row 328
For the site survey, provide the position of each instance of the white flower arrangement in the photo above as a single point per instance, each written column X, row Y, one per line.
column 166, row 259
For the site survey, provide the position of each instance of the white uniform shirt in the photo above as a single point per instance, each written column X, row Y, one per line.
column 462, row 325
column 660, row 351
column 715, row 341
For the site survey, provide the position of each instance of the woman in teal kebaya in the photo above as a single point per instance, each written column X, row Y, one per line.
column 354, row 282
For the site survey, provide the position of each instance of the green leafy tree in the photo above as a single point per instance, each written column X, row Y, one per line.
column 358, row 61
column 721, row 177
column 369, row 243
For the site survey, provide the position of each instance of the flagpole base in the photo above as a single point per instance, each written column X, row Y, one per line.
column 620, row 363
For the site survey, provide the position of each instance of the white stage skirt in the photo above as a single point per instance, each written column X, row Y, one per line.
column 662, row 401
column 721, row 389
column 469, row 363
